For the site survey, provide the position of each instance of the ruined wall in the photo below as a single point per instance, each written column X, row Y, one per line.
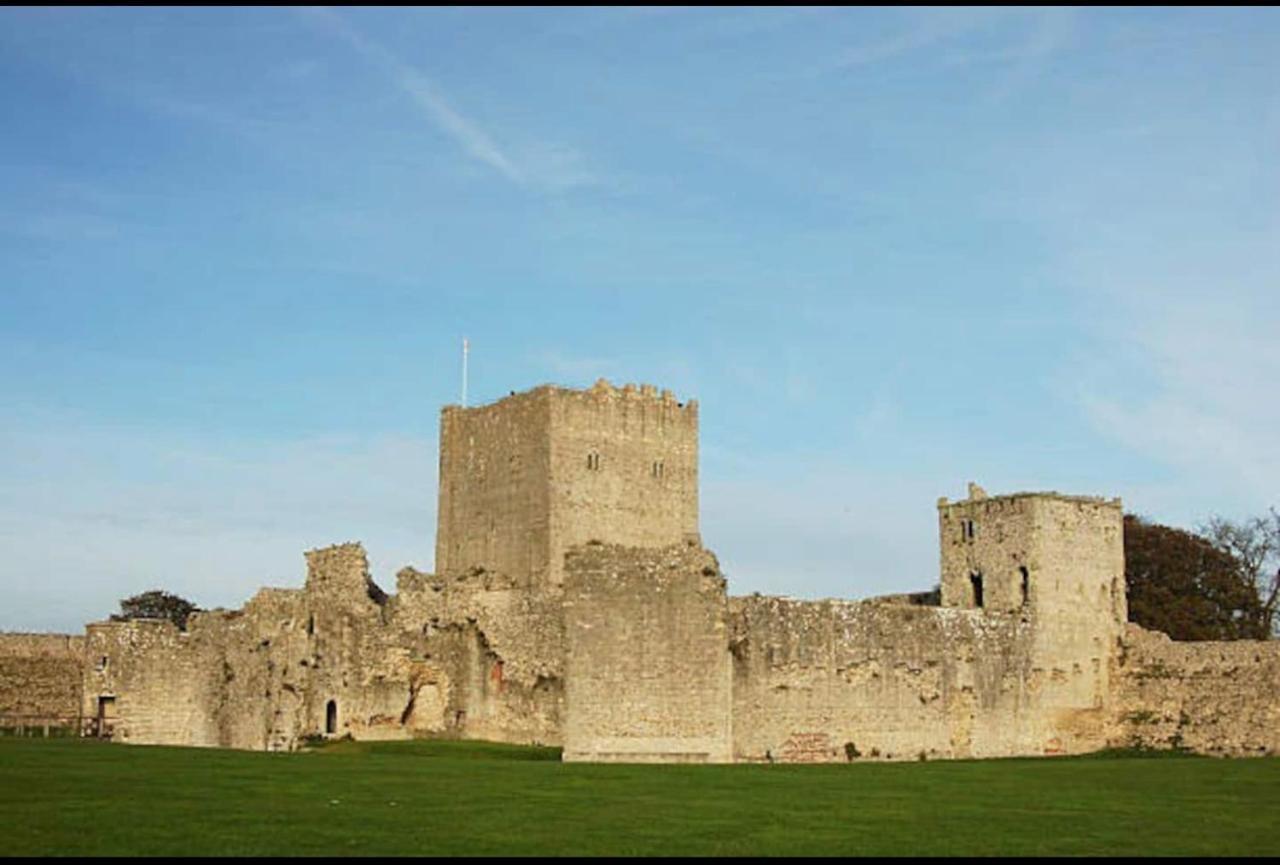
column 493, row 509
column 573, row 604
column 1220, row 698
column 261, row 677
column 473, row 656
column 144, row 682
column 648, row 672
column 496, row 648
column 40, row 680
column 821, row 681
column 624, row 469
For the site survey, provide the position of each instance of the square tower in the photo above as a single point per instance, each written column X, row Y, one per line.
column 527, row 477
column 1057, row 562
column 1036, row 552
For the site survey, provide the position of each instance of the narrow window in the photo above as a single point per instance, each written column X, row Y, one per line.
column 593, row 462
column 1026, row 585
column 975, row 580
column 311, row 624
column 657, row 469
column 331, row 717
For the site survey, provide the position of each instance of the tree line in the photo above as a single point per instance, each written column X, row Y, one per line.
column 1220, row 582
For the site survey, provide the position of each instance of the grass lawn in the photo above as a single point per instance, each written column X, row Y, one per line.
column 458, row 798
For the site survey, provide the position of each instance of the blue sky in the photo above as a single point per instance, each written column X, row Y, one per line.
column 888, row 252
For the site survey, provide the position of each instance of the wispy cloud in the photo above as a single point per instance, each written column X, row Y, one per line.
column 1037, row 35
column 1184, row 372
column 425, row 94
column 925, row 29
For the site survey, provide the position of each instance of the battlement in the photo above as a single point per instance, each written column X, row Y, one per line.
column 602, row 391
column 1035, row 553
column 977, row 495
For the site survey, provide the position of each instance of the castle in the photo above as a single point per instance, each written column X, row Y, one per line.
column 574, row 605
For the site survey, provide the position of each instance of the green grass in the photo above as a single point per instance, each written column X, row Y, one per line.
column 456, row 798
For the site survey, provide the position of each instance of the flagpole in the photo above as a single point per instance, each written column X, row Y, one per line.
column 464, row 372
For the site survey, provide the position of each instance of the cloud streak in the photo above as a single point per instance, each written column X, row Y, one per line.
column 477, row 143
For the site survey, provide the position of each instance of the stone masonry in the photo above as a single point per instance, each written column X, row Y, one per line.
column 574, row 605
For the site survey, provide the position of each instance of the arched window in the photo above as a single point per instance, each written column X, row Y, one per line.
column 331, row 717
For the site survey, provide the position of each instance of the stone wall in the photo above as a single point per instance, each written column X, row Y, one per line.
column 494, row 507
column 648, row 675
column 1058, row 562
column 527, row 477
column 40, row 680
column 261, row 677
column 624, row 469
column 497, row 646
column 824, row 681
column 1220, row 698
column 573, row 605
column 472, row 656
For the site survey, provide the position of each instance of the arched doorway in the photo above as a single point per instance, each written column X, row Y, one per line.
column 331, row 717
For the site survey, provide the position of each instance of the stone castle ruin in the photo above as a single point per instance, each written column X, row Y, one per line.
column 574, row 605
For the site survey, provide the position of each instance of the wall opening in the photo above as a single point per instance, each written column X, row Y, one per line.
column 1026, row 584
column 311, row 624
column 975, row 581
column 106, row 719
column 331, row 717
column 593, row 462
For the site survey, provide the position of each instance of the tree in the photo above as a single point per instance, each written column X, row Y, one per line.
column 1184, row 585
column 156, row 604
column 1255, row 543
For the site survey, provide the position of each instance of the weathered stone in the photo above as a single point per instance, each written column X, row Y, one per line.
column 574, row 605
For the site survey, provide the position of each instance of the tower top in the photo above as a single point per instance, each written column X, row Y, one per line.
column 602, row 391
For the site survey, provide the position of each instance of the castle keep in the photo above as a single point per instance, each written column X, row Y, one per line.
column 572, row 604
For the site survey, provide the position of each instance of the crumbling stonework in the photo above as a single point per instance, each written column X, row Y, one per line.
column 1210, row 697
column 40, row 680
column 457, row 657
column 573, row 605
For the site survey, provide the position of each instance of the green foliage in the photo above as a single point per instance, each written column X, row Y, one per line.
column 450, row 798
column 1183, row 585
column 156, row 604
